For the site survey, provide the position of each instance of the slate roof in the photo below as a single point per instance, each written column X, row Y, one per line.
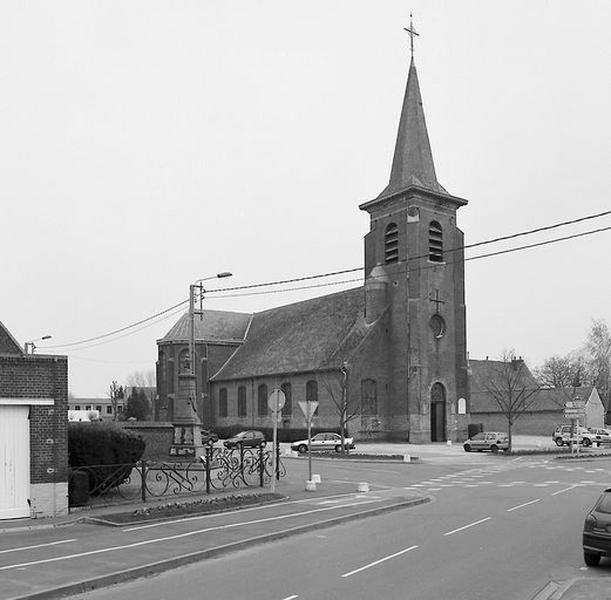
column 547, row 399
column 8, row 344
column 305, row 336
column 413, row 161
column 483, row 374
column 216, row 325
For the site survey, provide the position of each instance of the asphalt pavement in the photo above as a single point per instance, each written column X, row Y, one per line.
column 50, row 558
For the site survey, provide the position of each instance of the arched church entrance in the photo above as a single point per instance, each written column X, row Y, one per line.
column 438, row 413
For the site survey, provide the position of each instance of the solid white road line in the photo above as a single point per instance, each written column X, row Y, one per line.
column 564, row 490
column 37, row 546
column 381, row 560
column 291, row 597
column 467, row 526
column 523, row 505
column 179, row 536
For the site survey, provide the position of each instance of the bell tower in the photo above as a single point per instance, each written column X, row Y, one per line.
column 415, row 249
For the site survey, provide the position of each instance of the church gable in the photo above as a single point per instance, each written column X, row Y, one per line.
column 8, row 344
column 300, row 337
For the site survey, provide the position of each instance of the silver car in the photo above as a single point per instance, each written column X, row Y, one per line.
column 487, row 440
column 325, row 442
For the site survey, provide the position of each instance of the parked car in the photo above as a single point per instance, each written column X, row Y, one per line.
column 603, row 436
column 487, row 440
column 209, row 437
column 562, row 435
column 597, row 530
column 245, row 439
column 324, row 441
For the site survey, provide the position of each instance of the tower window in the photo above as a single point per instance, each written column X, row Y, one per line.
column 435, row 242
column 287, row 409
column 391, row 243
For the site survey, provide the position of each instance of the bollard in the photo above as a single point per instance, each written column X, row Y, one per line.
column 449, row 443
column 363, row 486
column 310, row 486
column 316, row 478
column 407, row 458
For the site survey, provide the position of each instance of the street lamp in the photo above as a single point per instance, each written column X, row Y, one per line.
column 31, row 346
column 200, row 312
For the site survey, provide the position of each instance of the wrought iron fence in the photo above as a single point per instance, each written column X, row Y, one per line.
column 217, row 469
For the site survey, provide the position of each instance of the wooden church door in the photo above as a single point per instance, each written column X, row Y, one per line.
column 438, row 413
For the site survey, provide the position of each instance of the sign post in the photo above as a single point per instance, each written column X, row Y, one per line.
column 275, row 401
column 575, row 410
column 308, row 409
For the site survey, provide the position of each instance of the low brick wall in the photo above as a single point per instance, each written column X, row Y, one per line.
column 156, row 434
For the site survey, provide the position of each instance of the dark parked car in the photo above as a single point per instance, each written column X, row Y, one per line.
column 597, row 530
column 245, row 439
column 209, row 437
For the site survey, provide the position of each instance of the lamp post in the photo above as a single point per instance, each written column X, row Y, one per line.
column 187, row 431
column 31, row 346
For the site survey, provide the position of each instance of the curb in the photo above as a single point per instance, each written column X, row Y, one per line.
column 40, row 526
column 87, row 585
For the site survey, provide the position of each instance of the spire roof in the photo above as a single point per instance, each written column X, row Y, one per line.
column 412, row 164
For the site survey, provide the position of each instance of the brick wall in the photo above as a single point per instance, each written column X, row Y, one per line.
column 157, row 435
column 38, row 376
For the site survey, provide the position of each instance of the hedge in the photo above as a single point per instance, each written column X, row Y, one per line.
column 99, row 448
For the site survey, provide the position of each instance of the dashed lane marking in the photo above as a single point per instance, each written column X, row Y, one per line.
column 36, row 546
column 523, row 505
column 467, row 526
column 381, row 560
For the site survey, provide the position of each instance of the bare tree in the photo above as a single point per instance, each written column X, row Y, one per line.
column 343, row 397
column 115, row 393
column 598, row 353
column 562, row 371
column 513, row 388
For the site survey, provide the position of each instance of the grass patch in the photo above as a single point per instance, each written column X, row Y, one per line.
column 201, row 506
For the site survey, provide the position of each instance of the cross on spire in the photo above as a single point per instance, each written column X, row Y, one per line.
column 412, row 33
column 437, row 301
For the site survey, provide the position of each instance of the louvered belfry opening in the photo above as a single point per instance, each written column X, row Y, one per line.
column 435, row 242
column 391, row 243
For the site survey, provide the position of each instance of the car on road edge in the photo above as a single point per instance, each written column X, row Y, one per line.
column 597, row 530
column 249, row 438
column 487, row 440
column 324, row 441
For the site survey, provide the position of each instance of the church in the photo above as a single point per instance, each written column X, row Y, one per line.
column 391, row 352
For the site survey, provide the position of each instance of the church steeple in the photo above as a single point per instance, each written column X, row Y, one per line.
column 412, row 163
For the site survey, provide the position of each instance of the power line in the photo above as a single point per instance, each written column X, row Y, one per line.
column 104, row 335
column 352, row 270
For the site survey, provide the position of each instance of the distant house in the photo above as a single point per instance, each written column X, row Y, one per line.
column 543, row 414
column 104, row 405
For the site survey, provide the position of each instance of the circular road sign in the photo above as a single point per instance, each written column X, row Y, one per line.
column 276, row 400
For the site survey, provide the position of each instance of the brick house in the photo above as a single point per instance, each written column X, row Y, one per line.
column 402, row 334
column 33, row 432
column 545, row 407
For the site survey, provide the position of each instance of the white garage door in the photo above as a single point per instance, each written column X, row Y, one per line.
column 14, row 462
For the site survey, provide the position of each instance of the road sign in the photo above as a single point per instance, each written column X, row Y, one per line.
column 581, row 404
column 276, row 400
column 308, row 409
column 572, row 413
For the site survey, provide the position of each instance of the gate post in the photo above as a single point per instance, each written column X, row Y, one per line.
column 143, row 480
column 207, row 466
column 261, row 466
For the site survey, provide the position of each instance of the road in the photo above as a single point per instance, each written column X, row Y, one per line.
column 501, row 528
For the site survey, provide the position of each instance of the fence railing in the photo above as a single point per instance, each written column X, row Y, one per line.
column 218, row 469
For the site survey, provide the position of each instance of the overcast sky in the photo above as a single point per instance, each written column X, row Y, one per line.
column 146, row 144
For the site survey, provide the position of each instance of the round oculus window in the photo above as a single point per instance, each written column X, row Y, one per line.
column 437, row 325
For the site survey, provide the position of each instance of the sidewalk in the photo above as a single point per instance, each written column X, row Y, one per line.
column 53, row 559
